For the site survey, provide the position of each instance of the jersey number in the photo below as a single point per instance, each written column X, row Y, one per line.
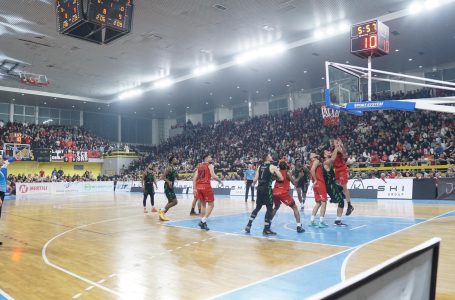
column 201, row 174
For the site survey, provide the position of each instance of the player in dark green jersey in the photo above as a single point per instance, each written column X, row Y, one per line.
column 265, row 176
column 148, row 181
column 169, row 176
column 302, row 176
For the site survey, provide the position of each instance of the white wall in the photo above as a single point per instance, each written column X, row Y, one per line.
column 260, row 108
column 155, row 132
column 194, row 118
column 168, row 123
column 223, row 114
column 112, row 166
column 301, row 100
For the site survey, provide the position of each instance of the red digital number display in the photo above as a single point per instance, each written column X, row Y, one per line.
column 112, row 13
column 370, row 39
column 69, row 12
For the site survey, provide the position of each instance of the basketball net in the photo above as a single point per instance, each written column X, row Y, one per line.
column 330, row 116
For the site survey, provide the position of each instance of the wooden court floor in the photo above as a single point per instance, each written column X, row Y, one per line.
column 102, row 246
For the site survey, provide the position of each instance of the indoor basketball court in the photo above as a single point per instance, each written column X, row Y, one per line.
column 120, row 117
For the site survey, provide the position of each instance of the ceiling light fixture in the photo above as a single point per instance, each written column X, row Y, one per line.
column 416, row 8
column 130, row 94
column 204, row 70
column 163, row 83
column 266, row 51
column 333, row 29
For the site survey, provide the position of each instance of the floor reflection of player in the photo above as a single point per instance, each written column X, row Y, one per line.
column 342, row 172
column 334, row 190
column 281, row 194
column 320, row 191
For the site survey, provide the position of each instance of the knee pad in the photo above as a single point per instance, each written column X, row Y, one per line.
column 341, row 204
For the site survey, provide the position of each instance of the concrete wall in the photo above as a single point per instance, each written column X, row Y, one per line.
column 112, row 166
column 301, row 100
column 260, row 108
column 194, row 118
column 223, row 114
column 168, row 123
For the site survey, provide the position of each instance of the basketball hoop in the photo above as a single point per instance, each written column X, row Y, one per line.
column 330, row 116
column 33, row 79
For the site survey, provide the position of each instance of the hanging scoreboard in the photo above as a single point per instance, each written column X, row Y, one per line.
column 370, row 39
column 98, row 21
column 69, row 13
column 115, row 14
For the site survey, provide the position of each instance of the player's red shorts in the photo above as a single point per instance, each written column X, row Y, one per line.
column 205, row 193
column 320, row 191
column 342, row 175
column 280, row 196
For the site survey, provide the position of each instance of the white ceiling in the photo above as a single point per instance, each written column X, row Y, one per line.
column 174, row 36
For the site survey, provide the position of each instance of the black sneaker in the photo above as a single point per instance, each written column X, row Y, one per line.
column 193, row 213
column 300, row 229
column 268, row 232
column 206, row 227
column 203, row 226
column 349, row 210
column 247, row 228
column 339, row 223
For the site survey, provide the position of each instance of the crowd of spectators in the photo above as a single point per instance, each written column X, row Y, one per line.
column 57, row 137
column 383, row 138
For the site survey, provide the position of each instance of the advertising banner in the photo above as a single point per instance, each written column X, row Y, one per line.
column 33, row 188
column 446, row 188
column 69, row 156
column 387, row 188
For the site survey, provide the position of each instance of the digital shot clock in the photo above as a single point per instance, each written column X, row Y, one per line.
column 370, row 39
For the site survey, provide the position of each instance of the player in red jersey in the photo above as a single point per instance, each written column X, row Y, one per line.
column 281, row 193
column 320, row 190
column 203, row 190
column 342, row 172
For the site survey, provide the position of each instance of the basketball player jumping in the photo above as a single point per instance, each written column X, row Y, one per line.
column 148, row 180
column 342, row 172
column 281, row 194
column 169, row 176
column 320, row 191
column 334, row 190
column 203, row 190
column 264, row 175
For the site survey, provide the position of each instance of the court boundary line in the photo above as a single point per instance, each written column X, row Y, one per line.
column 280, row 274
column 4, row 294
column 353, row 249
column 61, row 269
column 243, row 234
column 345, row 262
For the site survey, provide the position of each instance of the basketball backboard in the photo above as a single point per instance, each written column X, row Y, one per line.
column 350, row 89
